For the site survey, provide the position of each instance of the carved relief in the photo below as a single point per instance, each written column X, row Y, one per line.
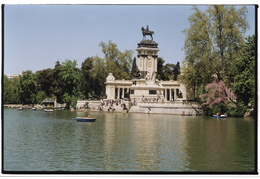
column 110, row 77
column 149, row 65
column 140, row 62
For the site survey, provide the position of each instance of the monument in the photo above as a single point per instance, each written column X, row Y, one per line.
column 144, row 93
column 144, row 86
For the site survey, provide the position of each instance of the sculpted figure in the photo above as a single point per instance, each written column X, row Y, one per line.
column 147, row 32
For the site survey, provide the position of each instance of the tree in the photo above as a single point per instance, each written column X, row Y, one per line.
column 168, row 71
column 217, row 92
column 176, row 71
column 86, row 78
column 117, row 62
column 70, row 80
column 66, row 81
column 27, row 87
column 44, row 80
column 160, row 74
column 135, row 71
column 58, row 84
column 10, row 90
column 228, row 27
column 244, row 80
column 99, row 75
column 211, row 44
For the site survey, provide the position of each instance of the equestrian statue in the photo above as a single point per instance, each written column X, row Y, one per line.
column 147, row 32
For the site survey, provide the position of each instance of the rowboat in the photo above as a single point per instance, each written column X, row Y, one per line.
column 84, row 119
column 221, row 116
column 48, row 110
column 186, row 114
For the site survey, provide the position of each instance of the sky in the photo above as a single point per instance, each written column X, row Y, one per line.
column 36, row 36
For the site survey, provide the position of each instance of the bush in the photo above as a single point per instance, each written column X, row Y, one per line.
column 221, row 108
column 238, row 111
column 234, row 111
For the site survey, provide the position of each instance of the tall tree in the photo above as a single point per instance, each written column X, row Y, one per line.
column 160, row 74
column 117, row 62
column 135, row 71
column 244, row 80
column 228, row 26
column 211, row 44
column 27, row 87
column 99, row 75
column 57, row 83
column 44, row 80
column 86, row 78
column 168, row 71
column 10, row 90
column 176, row 71
column 66, row 82
column 70, row 79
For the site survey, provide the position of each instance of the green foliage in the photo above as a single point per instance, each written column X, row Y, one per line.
column 27, row 87
column 168, row 71
column 45, row 81
column 98, row 74
column 10, row 90
column 212, row 44
column 40, row 96
column 117, row 62
column 176, row 71
column 67, row 80
column 221, row 108
column 244, row 80
column 70, row 100
column 86, row 78
column 160, row 63
column 236, row 111
column 231, row 110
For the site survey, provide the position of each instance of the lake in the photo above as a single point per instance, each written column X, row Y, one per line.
column 117, row 142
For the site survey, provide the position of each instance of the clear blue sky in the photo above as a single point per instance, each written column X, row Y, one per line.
column 36, row 36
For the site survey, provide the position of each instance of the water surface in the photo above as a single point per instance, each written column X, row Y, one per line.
column 41, row 141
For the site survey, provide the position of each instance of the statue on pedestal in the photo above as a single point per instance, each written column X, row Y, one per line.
column 147, row 32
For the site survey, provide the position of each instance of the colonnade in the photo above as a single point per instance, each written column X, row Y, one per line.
column 121, row 91
column 168, row 94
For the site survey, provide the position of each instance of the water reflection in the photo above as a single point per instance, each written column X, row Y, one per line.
column 37, row 141
column 216, row 145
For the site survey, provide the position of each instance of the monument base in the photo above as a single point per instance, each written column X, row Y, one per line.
column 143, row 91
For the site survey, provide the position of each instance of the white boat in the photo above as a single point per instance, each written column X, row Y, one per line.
column 48, row 110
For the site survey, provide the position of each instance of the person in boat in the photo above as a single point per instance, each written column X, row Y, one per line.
column 218, row 114
column 183, row 113
column 89, row 116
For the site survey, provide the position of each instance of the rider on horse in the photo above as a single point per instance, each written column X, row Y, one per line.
column 147, row 32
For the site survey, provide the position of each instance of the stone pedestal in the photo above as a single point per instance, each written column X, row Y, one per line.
column 143, row 91
column 147, row 57
column 147, row 88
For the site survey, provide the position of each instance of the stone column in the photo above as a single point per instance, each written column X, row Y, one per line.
column 170, row 94
column 118, row 93
column 166, row 94
column 175, row 94
column 123, row 93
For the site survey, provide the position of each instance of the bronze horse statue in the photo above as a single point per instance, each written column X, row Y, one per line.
column 147, row 32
